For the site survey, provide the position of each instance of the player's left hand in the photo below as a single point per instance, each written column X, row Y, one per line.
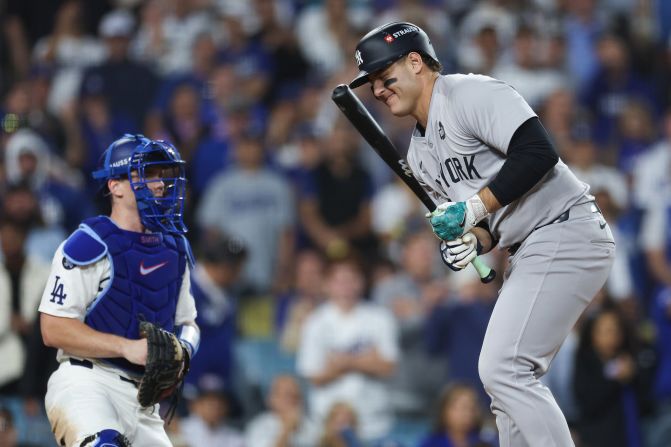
column 458, row 253
column 167, row 364
column 452, row 219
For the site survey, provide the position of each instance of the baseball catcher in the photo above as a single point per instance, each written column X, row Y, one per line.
column 118, row 304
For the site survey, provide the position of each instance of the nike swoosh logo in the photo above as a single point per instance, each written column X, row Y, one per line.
column 602, row 225
column 147, row 270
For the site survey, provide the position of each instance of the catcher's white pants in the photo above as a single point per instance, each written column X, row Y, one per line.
column 551, row 279
column 82, row 401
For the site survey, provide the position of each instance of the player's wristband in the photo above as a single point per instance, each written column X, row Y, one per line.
column 190, row 336
column 476, row 206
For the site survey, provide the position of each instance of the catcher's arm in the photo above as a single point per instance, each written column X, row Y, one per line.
column 80, row 340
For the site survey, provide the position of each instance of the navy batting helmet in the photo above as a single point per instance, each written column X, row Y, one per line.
column 385, row 45
column 138, row 154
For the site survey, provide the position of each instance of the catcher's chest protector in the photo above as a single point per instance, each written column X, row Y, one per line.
column 146, row 277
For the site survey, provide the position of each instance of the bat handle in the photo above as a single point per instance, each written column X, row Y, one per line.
column 487, row 274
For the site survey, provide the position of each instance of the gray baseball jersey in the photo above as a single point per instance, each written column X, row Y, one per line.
column 471, row 121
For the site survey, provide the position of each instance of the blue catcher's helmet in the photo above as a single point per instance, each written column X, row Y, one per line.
column 151, row 161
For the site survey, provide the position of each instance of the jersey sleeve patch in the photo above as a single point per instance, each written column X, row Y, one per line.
column 84, row 247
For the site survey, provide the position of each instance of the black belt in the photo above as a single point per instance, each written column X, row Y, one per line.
column 563, row 217
column 89, row 364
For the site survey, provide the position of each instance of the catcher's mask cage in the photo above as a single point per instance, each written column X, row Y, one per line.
column 146, row 163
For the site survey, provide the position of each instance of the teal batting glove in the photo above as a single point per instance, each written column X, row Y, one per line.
column 452, row 219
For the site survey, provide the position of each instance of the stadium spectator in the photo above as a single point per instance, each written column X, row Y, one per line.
column 325, row 32
column 253, row 203
column 412, row 294
column 651, row 179
column 98, row 124
column 28, row 159
column 208, row 423
column 655, row 240
column 612, row 86
column 582, row 24
column 214, row 285
column 335, row 198
column 252, row 64
column 612, row 381
column 340, row 427
column 305, row 295
column 660, row 314
column 20, row 205
column 456, row 327
column 22, row 281
column 8, row 433
column 285, row 423
column 525, row 72
column 128, row 85
column 27, row 99
column 68, row 50
column 276, row 37
column 167, row 32
column 348, row 351
column 635, row 133
column 458, row 421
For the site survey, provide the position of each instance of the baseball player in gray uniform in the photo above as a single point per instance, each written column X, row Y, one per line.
column 483, row 154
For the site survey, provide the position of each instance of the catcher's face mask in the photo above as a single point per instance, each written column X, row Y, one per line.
column 156, row 174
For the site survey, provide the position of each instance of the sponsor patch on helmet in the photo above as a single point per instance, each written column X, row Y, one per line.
column 409, row 29
column 389, row 38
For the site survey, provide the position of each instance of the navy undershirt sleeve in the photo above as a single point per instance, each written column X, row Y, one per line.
column 529, row 157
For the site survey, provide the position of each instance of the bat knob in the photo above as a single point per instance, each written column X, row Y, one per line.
column 489, row 278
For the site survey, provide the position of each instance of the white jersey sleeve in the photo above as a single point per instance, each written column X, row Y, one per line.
column 186, row 306
column 489, row 110
column 71, row 289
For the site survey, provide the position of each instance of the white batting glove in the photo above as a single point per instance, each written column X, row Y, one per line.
column 458, row 253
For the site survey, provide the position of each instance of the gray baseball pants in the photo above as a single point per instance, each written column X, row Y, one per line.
column 551, row 279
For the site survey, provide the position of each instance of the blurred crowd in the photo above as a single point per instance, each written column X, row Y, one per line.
column 327, row 317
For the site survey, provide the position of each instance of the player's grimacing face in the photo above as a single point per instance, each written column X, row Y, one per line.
column 396, row 87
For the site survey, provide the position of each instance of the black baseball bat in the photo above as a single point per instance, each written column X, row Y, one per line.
column 352, row 107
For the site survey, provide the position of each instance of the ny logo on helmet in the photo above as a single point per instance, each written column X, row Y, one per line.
column 357, row 56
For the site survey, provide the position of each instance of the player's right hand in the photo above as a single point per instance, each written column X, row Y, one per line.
column 135, row 351
column 458, row 253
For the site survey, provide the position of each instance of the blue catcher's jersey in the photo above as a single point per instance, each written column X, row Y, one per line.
column 146, row 276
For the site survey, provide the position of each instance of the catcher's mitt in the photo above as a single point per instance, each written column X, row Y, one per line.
column 167, row 364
